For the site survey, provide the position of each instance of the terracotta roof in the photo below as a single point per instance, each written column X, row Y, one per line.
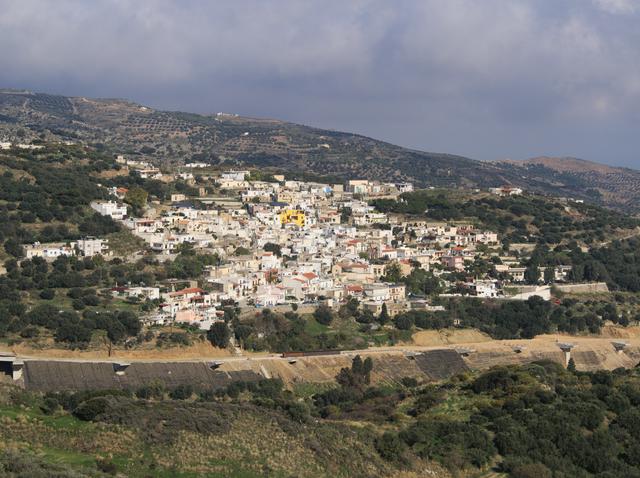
column 354, row 288
column 190, row 290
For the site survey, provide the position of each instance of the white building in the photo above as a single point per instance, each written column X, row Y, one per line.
column 112, row 209
column 270, row 295
column 377, row 292
column 91, row 246
column 270, row 261
column 49, row 250
column 404, row 187
column 151, row 293
column 484, row 288
column 234, row 175
column 506, row 191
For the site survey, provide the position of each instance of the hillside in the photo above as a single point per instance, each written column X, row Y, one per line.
column 565, row 165
column 45, row 195
column 518, row 421
column 176, row 137
column 525, row 218
column 613, row 186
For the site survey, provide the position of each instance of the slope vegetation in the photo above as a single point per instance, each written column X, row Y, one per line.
column 178, row 137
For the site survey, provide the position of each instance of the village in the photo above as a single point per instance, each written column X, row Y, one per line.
column 285, row 243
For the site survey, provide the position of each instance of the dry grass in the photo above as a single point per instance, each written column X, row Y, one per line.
column 448, row 337
column 257, row 442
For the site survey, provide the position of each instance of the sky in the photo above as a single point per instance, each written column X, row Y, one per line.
column 487, row 79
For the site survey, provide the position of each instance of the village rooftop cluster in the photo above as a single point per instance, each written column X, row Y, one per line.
column 282, row 242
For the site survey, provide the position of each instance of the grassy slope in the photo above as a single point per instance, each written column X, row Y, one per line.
column 472, row 424
column 249, row 443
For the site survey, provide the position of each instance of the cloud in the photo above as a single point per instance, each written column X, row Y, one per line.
column 488, row 79
column 624, row 7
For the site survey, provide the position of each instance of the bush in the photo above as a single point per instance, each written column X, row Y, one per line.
column 533, row 470
column 404, row 322
column 409, row 382
column 458, row 444
column 106, row 466
column 390, row 447
column 154, row 389
column 181, row 392
column 78, row 304
column 298, row 412
column 73, row 333
column 89, row 410
column 219, row 335
column 75, row 293
column 47, row 294
column 21, row 463
column 29, row 332
column 173, row 338
column 268, row 388
column 50, row 405
column 323, row 315
column 497, row 379
column 428, row 398
column 91, row 300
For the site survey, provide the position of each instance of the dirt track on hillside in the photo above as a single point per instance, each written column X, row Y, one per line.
column 196, row 351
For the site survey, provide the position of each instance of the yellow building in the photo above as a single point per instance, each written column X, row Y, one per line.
column 292, row 216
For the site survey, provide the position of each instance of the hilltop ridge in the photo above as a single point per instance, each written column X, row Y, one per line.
column 612, row 186
column 228, row 139
column 565, row 164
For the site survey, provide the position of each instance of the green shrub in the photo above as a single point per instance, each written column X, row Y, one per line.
column 181, row 392
column 89, row 410
column 390, row 447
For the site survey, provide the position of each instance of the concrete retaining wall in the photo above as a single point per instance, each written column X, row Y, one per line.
column 590, row 288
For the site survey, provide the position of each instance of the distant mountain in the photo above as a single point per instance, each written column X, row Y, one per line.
column 175, row 137
column 612, row 186
column 566, row 165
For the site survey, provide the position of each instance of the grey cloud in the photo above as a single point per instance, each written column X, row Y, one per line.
column 618, row 6
column 486, row 79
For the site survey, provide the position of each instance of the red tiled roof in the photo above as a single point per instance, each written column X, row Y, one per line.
column 190, row 290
